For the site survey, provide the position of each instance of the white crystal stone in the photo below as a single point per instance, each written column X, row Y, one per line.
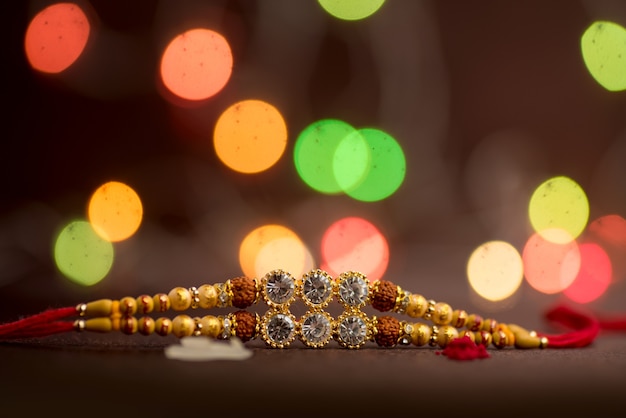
column 226, row 332
column 279, row 287
column 317, row 288
column 223, row 298
column 353, row 290
column 352, row 331
column 280, row 328
column 316, row 328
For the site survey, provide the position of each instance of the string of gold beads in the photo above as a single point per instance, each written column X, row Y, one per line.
column 242, row 292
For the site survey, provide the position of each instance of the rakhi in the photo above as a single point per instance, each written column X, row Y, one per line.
column 460, row 334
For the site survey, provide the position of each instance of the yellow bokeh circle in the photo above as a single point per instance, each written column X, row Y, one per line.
column 495, row 270
column 115, row 211
column 559, row 203
column 250, row 136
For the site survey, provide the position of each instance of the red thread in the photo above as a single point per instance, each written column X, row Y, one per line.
column 44, row 323
column 585, row 328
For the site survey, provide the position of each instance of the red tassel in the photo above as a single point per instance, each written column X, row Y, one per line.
column 40, row 330
column 584, row 327
column 39, row 324
column 464, row 348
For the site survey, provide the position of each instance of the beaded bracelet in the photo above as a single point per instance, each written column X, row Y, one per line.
column 278, row 327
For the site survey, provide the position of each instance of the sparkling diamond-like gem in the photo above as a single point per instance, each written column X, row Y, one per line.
column 226, row 332
column 404, row 303
column 280, row 328
column 279, row 287
column 353, row 330
column 316, row 328
column 353, row 290
column 317, row 288
column 223, row 298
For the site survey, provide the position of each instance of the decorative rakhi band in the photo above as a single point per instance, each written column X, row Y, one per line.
column 278, row 327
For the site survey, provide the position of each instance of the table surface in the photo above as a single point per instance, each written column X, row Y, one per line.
column 114, row 374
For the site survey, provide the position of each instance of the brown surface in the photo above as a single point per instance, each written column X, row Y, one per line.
column 131, row 376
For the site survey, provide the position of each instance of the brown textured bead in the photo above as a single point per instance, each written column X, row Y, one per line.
column 385, row 294
column 388, row 331
column 244, row 292
column 246, row 325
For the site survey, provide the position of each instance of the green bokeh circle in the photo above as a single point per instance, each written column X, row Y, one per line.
column 82, row 255
column 603, row 46
column 314, row 153
column 385, row 168
column 351, row 9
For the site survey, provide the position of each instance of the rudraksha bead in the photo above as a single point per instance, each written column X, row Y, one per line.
column 385, row 294
column 245, row 325
column 388, row 333
column 244, row 292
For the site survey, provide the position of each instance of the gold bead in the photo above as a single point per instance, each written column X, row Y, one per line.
column 483, row 338
column 543, row 342
column 195, row 297
column 208, row 296
column 180, row 298
column 446, row 334
column 474, row 322
column 500, row 339
column 161, row 302
column 128, row 324
column 417, row 306
column 459, row 318
column 145, row 304
column 183, row 326
column 211, row 326
column 442, row 313
column 469, row 334
column 430, row 310
column 145, row 325
column 420, row 334
column 490, row 325
column 434, row 336
column 510, row 336
column 163, row 326
column 128, row 306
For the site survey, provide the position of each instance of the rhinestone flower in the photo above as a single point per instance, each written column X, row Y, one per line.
column 352, row 329
column 353, row 289
column 279, row 288
column 278, row 329
column 316, row 329
column 317, row 288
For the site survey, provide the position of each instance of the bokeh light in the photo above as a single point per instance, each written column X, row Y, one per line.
column 250, row 136
column 609, row 231
column 314, row 153
column 197, row 64
column 115, row 211
column 495, row 270
column 384, row 171
column 559, row 203
column 551, row 264
column 56, row 37
column 603, row 46
column 273, row 246
column 351, row 9
column 353, row 243
column 81, row 254
column 594, row 276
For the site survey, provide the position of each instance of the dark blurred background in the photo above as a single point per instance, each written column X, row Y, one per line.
column 487, row 99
